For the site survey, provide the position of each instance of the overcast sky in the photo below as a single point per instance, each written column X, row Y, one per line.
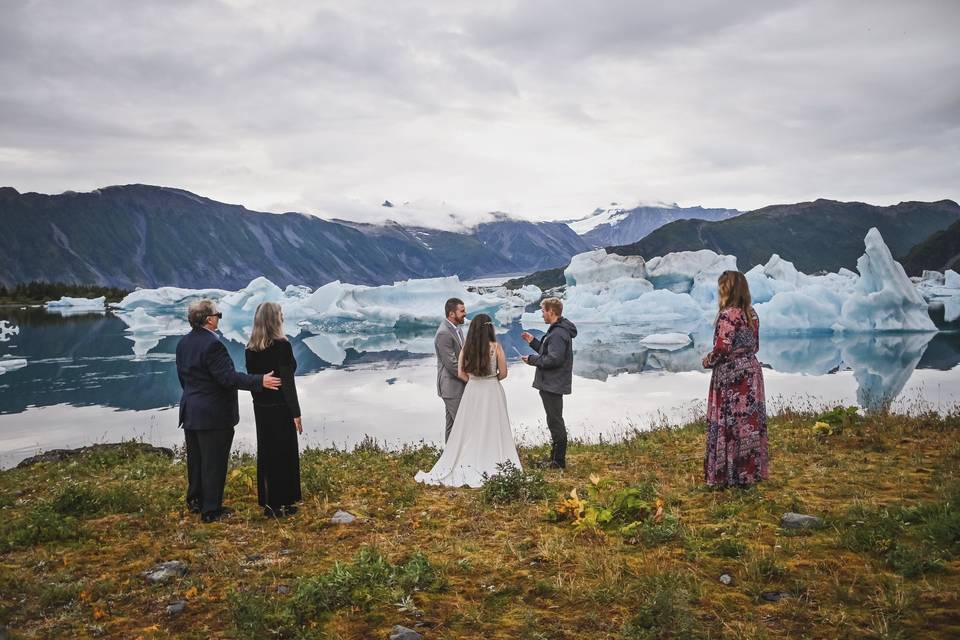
column 542, row 109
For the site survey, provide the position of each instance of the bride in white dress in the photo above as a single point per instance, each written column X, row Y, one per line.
column 481, row 437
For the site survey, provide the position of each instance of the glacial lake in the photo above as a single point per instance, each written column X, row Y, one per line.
column 87, row 380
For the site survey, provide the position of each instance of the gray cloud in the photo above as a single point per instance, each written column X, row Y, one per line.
column 540, row 108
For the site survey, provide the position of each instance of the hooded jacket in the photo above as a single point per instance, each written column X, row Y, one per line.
column 554, row 358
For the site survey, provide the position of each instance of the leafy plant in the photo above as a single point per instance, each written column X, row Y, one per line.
column 634, row 512
column 512, row 484
column 835, row 421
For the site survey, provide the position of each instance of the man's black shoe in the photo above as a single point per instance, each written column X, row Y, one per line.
column 213, row 516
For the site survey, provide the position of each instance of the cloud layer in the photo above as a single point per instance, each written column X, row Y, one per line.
column 539, row 108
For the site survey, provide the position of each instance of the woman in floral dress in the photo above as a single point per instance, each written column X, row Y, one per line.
column 736, row 411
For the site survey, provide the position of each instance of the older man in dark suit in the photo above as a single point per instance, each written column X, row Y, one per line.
column 208, row 408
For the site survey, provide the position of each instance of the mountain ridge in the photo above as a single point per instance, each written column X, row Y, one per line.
column 819, row 235
column 147, row 236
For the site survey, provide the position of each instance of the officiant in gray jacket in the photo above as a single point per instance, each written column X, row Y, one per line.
column 447, row 343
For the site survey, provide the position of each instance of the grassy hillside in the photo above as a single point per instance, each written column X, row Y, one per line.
column 819, row 235
column 939, row 252
column 637, row 552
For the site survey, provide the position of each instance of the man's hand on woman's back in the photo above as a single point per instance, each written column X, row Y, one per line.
column 271, row 381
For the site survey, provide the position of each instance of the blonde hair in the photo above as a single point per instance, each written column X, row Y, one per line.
column 267, row 326
column 733, row 291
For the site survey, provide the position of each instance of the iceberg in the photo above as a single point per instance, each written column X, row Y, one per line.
column 12, row 364
column 168, row 298
column 78, row 303
column 680, row 271
column 666, row 341
column 884, row 298
column 7, row 330
column 599, row 266
column 951, row 280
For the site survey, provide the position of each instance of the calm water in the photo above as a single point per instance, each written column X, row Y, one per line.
column 87, row 380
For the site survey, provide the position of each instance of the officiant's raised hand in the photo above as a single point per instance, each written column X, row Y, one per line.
column 527, row 336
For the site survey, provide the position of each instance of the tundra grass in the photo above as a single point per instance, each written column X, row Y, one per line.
column 626, row 543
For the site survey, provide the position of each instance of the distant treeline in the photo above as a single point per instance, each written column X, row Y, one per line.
column 34, row 292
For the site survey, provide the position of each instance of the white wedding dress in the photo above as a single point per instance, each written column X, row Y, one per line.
column 480, row 438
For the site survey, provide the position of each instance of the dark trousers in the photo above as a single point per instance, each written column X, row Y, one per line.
column 553, row 405
column 208, row 452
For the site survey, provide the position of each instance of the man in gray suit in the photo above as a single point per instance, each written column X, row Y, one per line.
column 447, row 343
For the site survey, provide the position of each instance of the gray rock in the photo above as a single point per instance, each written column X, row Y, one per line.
column 164, row 571
column 773, row 596
column 403, row 633
column 342, row 517
column 726, row 579
column 129, row 448
column 283, row 589
column 800, row 521
column 175, row 607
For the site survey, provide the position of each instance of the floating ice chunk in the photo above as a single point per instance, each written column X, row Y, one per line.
column 763, row 287
column 78, row 303
column 951, row 279
column 168, row 298
column 7, row 330
column 250, row 297
column 677, row 271
column 666, row 341
column 601, row 267
column 931, row 276
column 529, row 293
column 884, row 299
column 846, row 273
column 813, row 309
column 326, row 348
column 12, row 365
column 297, row 291
column 784, row 271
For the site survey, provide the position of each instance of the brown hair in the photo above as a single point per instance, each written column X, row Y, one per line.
column 451, row 306
column 733, row 291
column 476, row 350
column 267, row 326
column 553, row 304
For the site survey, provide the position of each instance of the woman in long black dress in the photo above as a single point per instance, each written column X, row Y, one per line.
column 277, row 414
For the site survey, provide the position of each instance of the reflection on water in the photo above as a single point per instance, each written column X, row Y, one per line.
column 95, row 361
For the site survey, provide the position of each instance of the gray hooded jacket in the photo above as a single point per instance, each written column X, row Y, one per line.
column 554, row 358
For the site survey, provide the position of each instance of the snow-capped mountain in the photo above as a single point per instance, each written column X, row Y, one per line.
column 616, row 225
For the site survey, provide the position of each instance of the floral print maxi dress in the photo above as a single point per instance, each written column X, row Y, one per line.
column 736, row 409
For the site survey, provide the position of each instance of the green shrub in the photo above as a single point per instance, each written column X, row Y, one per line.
column 83, row 501
column 256, row 616
column 512, row 484
column 367, row 581
column 39, row 525
column 729, row 548
column 76, row 500
column 664, row 608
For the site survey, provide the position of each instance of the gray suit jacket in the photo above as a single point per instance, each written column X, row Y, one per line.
column 447, row 346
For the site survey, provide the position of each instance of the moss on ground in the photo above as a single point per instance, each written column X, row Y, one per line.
column 636, row 552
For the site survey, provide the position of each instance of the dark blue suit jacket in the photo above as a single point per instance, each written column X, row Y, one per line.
column 209, row 382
